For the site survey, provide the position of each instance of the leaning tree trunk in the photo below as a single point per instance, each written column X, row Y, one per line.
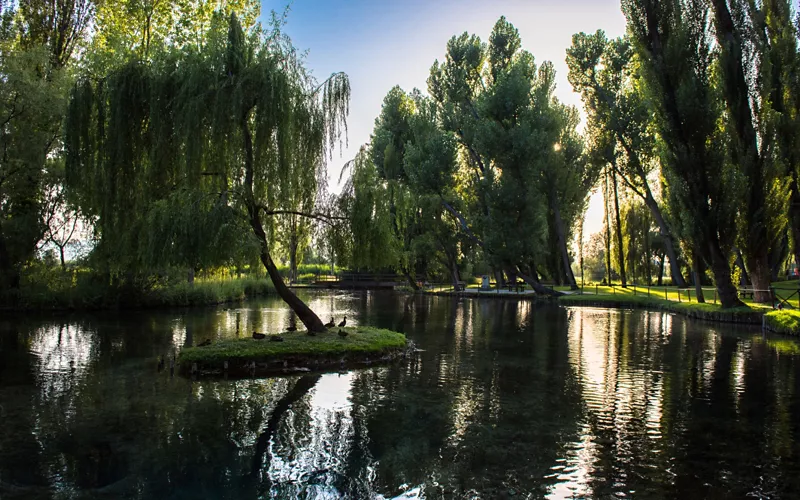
column 533, row 281
column 562, row 245
column 306, row 315
column 620, row 250
column 744, row 280
column 666, row 236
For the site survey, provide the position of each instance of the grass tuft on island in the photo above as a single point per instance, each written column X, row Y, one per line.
column 298, row 352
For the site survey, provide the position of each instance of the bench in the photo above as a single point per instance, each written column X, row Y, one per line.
column 519, row 285
column 746, row 292
column 459, row 287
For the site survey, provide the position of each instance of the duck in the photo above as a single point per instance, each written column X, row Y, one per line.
column 343, row 322
column 258, row 336
column 330, row 324
column 204, row 343
column 342, row 333
column 292, row 329
column 275, row 338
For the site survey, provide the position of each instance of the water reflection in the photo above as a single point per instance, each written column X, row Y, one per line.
column 504, row 399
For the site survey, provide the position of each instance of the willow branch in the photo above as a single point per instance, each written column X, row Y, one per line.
column 462, row 222
column 324, row 218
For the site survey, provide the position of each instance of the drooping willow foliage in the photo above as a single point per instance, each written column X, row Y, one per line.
column 237, row 128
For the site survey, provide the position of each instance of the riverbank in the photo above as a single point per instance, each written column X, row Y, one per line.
column 93, row 296
column 784, row 321
column 297, row 352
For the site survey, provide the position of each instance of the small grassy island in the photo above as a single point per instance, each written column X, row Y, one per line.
column 297, row 352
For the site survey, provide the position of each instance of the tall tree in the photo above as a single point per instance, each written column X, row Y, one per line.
column 223, row 122
column 766, row 192
column 673, row 43
column 604, row 73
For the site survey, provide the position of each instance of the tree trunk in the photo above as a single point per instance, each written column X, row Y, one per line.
column 661, row 269
column 411, row 281
column 620, row 249
column 744, row 280
column 794, row 219
column 500, row 281
column 669, row 244
column 562, row 246
column 758, row 264
column 698, row 282
column 728, row 296
column 607, row 221
column 306, row 315
column 533, row 282
column 61, row 255
column 293, row 256
column 190, row 277
column 778, row 254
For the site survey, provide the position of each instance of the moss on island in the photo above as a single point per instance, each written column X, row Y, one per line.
column 298, row 352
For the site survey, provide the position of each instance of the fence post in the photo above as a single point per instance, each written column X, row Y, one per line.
column 680, row 292
column 665, row 294
column 595, row 288
column 689, row 292
column 634, row 290
column 715, row 296
column 648, row 290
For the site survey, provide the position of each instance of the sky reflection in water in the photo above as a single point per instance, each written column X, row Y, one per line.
column 505, row 399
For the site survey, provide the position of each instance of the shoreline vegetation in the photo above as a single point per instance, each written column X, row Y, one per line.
column 297, row 352
column 76, row 297
column 784, row 321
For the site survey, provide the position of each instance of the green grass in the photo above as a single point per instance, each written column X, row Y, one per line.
column 361, row 341
column 706, row 310
column 783, row 321
column 71, row 289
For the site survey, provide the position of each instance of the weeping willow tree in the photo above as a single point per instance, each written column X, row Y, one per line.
column 240, row 124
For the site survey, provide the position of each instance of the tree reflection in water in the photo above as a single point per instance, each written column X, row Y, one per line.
column 504, row 398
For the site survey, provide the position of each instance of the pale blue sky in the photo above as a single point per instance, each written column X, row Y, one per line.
column 382, row 44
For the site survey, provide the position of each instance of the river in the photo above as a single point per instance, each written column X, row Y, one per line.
column 504, row 400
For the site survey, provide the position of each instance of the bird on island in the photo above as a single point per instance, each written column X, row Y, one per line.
column 204, row 343
column 342, row 333
column 275, row 338
column 343, row 322
column 292, row 329
column 331, row 323
column 259, row 336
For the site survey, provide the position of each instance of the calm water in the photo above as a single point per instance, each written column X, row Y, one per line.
column 505, row 400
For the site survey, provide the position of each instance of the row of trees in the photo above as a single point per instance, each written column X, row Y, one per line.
column 692, row 116
column 181, row 133
column 489, row 167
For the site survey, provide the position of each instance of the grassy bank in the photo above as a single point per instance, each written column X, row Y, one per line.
column 710, row 312
column 784, row 321
column 297, row 352
column 76, row 292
